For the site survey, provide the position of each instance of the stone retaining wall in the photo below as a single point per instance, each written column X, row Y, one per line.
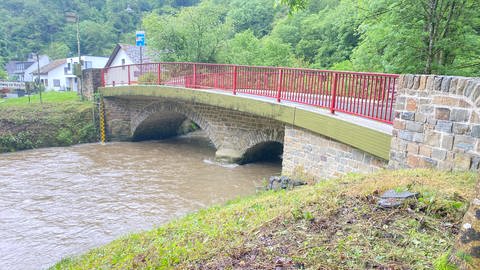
column 436, row 123
column 92, row 79
column 317, row 157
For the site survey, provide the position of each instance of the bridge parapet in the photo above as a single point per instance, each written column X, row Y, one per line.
column 437, row 123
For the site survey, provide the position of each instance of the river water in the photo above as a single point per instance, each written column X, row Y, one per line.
column 59, row 202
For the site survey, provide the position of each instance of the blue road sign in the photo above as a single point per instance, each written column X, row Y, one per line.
column 140, row 38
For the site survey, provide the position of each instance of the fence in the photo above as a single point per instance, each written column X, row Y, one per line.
column 369, row 95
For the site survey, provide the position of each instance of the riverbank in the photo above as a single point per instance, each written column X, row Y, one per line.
column 61, row 120
column 335, row 224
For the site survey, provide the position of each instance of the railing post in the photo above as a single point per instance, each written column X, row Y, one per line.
column 128, row 74
column 279, row 86
column 194, row 75
column 159, row 74
column 234, row 80
column 333, row 98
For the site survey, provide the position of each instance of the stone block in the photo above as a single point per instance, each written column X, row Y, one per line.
column 420, row 118
column 464, row 142
column 423, row 82
column 430, row 83
column 416, row 82
column 411, row 105
column 408, row 116
column 412, row 148
column 413, row 161
column 459, row 115
column 445, row 87
column 425, row 151
column 461, row 85
column 445, row 101
column 462, row 162
column 444, row 126
column 474, row 119
column 414, row 126
column 453, row 85
column 439, row 154
column 406, row 135
column 442, row 113
column 433, row 138
column 476, row 92
column 447, row 142
column 461, row 128
column 475, row 131
column 475, row 163
column 409, row 81
column 426, row 109
column 469, row 88
column 399, row 124
column 437, row 84
column 428, row 163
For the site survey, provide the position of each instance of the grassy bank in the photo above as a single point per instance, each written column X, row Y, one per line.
column 333, row 225
column 61, row 120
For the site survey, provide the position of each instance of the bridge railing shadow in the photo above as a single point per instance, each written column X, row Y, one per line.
column 369, row 95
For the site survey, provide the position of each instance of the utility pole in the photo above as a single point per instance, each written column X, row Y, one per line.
column 73, row 17
column 38, row 79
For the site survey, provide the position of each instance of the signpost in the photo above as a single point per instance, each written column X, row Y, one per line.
column 140, row 42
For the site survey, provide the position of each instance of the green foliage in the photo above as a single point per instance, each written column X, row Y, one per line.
column 57, row 50
column 148, row 78
column 254, row 15
column 61, row 120
column 194, row 34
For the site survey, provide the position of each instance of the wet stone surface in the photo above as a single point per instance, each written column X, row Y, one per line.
column 392, row 198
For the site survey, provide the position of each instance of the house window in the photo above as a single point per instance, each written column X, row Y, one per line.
column 69, row 66
column 88, row 64
column 56, row 83
column 45, row 82
column 123, row 64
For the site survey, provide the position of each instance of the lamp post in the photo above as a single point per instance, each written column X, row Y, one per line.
column 73, row 17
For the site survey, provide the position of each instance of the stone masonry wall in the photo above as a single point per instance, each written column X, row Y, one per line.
column 436, row 123
column 318, row 157
column 92, row 79
column 232, row 132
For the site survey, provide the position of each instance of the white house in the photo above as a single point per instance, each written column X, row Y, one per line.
column 22, row 70
column 59, row 75
column 125, row 54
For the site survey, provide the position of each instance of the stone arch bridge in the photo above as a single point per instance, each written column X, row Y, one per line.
column 325, row 123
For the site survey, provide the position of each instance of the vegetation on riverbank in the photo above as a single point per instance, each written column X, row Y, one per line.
column 335, row 224
column 61, row 120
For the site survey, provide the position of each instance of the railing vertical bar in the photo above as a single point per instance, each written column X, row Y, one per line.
column 280, row 78
column 333, row 93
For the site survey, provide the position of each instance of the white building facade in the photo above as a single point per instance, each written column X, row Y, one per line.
column 60, row 75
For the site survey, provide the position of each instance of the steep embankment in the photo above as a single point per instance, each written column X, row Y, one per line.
column 335, row 224
column 60, row 121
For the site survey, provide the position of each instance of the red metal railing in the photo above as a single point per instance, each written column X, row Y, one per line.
column 369, row 95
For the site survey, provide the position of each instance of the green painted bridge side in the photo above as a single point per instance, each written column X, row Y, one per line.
column 363, row 138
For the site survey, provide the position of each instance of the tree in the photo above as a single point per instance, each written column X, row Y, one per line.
column 255, row 15
column 57, row 50
column 411, row 36
column 195, row 34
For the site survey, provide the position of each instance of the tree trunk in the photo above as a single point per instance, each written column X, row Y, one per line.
column 466, row 252
column 432, row 27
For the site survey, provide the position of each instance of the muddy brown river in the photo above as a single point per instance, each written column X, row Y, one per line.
column 59, row 202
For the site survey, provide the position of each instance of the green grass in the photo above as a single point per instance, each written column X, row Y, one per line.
column 47, row 97
column 61, row 120
column 332, row 225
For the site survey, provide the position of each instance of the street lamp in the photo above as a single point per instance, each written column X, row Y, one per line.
column 73, row 17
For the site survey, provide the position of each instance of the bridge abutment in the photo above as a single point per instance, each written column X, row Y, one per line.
column 437, row 123
column 313, row 156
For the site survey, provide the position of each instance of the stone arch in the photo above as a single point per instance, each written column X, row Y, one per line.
column 263, row 151
column 170, row 113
